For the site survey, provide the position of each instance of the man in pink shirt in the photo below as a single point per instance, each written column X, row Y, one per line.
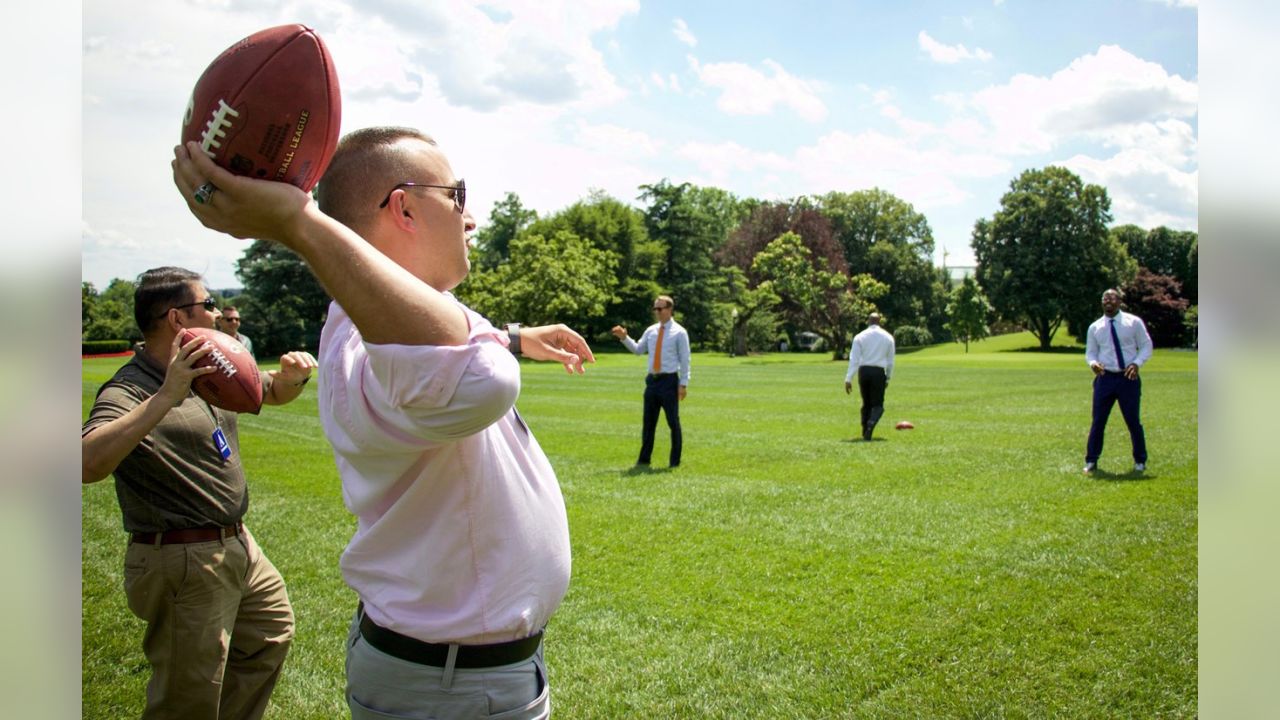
column 461, row 553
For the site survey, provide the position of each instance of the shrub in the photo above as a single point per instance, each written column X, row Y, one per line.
column 912, row 336
column 104, row 347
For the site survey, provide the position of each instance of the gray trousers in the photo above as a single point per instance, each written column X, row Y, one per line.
column 382, row 686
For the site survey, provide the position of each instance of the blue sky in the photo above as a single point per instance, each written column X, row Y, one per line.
column 941, row 103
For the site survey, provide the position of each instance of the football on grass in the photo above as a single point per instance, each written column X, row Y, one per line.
column 269, row 107
column 904, row 425
column 237, row 384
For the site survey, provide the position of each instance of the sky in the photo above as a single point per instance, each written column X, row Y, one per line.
column 941, row 103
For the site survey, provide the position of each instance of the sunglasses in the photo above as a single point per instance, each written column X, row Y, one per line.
column 209, row 304
column 660, row 307
column 459, row 193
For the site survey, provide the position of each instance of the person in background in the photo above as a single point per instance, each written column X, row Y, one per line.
column 229, row 323
column 667, row 382
column 1117, row 345
column 219, row 621
column 871, row 359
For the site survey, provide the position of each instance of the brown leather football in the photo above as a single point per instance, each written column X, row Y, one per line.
column 269, row 107
column 237, row 385
column 904, row 425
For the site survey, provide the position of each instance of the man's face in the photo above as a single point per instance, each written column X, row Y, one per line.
column 1110, row 304
column 438, row 252
column 662, row 310
column 230, row 322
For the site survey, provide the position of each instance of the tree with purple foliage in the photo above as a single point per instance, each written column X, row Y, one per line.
column 1157, row 299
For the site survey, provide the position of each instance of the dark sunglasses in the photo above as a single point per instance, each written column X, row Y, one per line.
column 459, row 193
column 209, row 304
column 660, row 307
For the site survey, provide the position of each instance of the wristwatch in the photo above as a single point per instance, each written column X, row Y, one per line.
column 513, row 334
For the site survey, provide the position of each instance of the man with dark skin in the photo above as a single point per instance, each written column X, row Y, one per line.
column 1117, row 344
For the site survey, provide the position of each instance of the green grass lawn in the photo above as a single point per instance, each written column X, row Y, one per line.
column 962, row 569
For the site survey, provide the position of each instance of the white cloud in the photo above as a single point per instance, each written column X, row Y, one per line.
column 616, row 141
column 745, row 90
column 1144, row 189
column 683, row 34
column 488, row 57
column 1098, row 93
column 949, row 54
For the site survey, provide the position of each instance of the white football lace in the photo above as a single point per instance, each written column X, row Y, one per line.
column 214, row 129
column 226, row 366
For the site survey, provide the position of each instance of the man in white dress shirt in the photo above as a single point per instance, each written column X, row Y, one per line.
column 461, row 550
column 667, row 344
column 1116, row 346
column 871, row 359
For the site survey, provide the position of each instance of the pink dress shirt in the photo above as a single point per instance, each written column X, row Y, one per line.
column 462, row 534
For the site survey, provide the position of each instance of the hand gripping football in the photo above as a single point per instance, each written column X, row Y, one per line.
column 237, row 385
column 269, row 107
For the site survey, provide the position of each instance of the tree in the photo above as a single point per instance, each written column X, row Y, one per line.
column 765, row 222
column 968, row 312
column 1163, row 251
column 110, row 313
column 692, row 223
column 886, row 237
column 560, row 279
column 1157, row 299
column 1046, row 255
column 608, row 224
column 826, row 301
column 283, row 305
column 747, row 312
column 493, row 241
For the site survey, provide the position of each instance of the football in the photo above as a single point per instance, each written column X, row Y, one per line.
column 237, row 385
column 904, row 425
column 269, row 107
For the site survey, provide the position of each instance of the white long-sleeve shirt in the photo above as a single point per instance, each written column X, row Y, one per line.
column 675, row 349
column 873, row 346
column 1135, row 342
column 462, row 534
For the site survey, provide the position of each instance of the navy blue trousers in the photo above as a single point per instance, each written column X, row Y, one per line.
column 1108, row 389
column 661, row 392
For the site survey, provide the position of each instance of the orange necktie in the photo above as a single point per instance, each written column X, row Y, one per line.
column 657, row 351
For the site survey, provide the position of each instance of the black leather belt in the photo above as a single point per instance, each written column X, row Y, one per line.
column 437, row 654
column 661, row 375
column 188, row 535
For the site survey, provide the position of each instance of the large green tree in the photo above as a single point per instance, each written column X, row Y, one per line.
column 814, row 294
column 692, row 223
column 283, row 305
column 968, row 313
column 108, row 315
column 493, row 241
column 1046, row 256
column 558, row 279
column 885, row 236
column 611, row 225
column 1163, row 251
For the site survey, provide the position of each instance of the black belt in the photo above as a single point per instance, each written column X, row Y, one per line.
column 661, row 375
column 437, row 654
column 188, row 535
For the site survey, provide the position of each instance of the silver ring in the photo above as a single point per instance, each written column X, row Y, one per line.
column 204, row 192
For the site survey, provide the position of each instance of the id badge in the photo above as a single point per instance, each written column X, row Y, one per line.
column 220, row 442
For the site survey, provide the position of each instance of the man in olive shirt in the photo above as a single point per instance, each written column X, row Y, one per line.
column 219, row 622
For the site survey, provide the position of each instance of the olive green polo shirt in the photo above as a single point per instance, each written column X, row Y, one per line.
column 175, row 478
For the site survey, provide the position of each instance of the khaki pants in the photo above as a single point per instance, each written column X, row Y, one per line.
column 219, row 626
